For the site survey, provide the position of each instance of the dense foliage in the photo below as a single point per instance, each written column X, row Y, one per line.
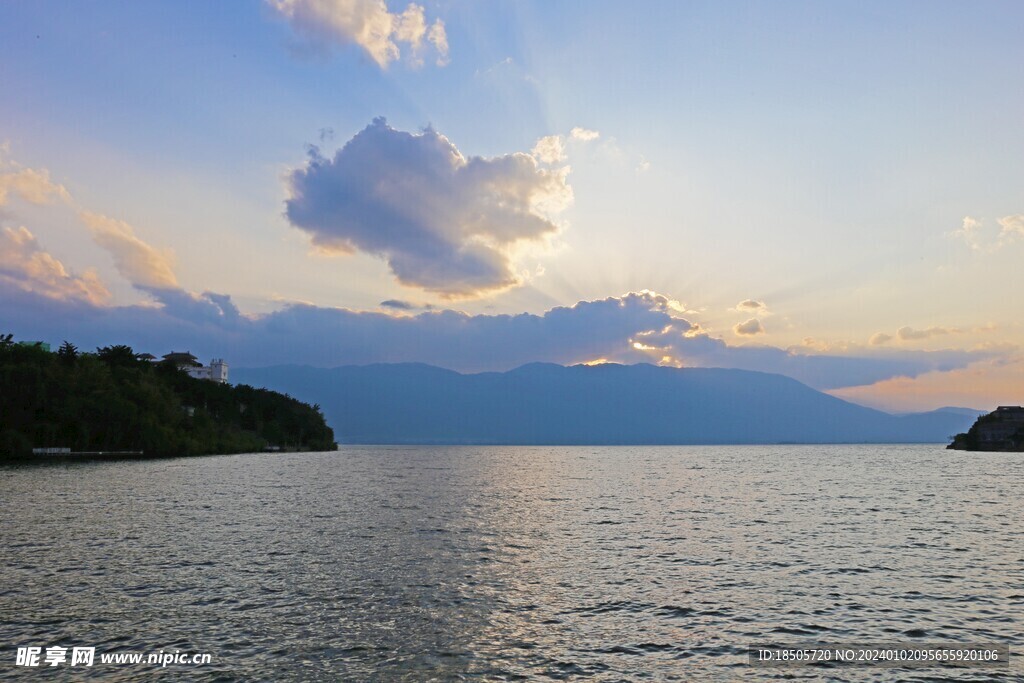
column 111, row 401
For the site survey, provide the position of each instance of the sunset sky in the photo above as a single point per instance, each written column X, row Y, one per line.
column 828, row 190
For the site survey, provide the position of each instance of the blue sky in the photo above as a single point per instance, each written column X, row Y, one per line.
column 855, row 168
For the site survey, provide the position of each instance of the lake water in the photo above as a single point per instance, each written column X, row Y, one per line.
column 505, row 563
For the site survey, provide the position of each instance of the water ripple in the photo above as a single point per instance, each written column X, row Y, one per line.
column 610, row 564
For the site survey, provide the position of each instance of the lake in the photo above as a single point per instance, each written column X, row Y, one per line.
column 509, row 563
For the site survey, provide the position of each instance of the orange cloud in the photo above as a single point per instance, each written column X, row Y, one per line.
column 368, row 24
column 749, row 328
column 140, row 263
column 981, row 385
column 31, row 185
column 24, row 264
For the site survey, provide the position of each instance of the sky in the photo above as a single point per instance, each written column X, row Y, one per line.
column 831, row 191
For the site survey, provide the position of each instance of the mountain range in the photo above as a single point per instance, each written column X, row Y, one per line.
column 541, row 403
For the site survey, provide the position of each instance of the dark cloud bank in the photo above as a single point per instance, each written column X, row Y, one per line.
column 211, row 325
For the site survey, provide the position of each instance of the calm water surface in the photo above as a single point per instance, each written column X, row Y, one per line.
column 484, row 563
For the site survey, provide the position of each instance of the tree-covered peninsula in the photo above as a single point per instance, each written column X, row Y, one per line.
column 1000, row 430
column 112, row 400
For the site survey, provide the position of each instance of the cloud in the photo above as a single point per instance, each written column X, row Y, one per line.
column 819, row 370
column 368, row 24
column 982, row 385
column 970, row 232
column 749, row 328
column 208, row 308
column 907, row 333
column 751, row 306
column 403, row 305
column 398, row 304
column 331, row 336
column 637, row 327
column 141, row 264
column 910, row 334
column 549, row 150
column 34, row 186
column 27, row 270
column 552, row 149
column 25, row 265
column 973, row 233
column 411, row 25
column 443, row 222
column 583, row 134
column 438, row 37
column 150, row 270
column 411, row 28
column 1012, row 227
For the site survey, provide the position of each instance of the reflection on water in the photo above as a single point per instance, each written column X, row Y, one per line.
column 513, row 563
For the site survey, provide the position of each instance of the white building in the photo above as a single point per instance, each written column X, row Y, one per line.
column 216, row 371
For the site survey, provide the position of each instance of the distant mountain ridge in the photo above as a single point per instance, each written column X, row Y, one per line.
column 539, row 403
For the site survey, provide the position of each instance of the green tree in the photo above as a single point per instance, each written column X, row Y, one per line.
column 119, row 354
column 111, row 401
column 67, row 352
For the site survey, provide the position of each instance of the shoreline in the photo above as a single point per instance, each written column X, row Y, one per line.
column 100, row 456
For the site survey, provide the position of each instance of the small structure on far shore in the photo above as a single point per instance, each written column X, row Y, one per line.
column 1000, row 430
column 64, row 453
column 216, row 371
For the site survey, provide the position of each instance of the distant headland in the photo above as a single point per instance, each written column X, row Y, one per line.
column 1000, row 430
column 115, row 401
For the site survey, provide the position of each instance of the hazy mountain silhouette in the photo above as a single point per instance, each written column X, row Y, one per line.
column 543, row 403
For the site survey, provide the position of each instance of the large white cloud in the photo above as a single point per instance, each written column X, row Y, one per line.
column 368, row 24
column 549, row 149
column 443, row 222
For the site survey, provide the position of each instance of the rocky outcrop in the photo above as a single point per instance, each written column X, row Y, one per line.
column 1000, row 430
